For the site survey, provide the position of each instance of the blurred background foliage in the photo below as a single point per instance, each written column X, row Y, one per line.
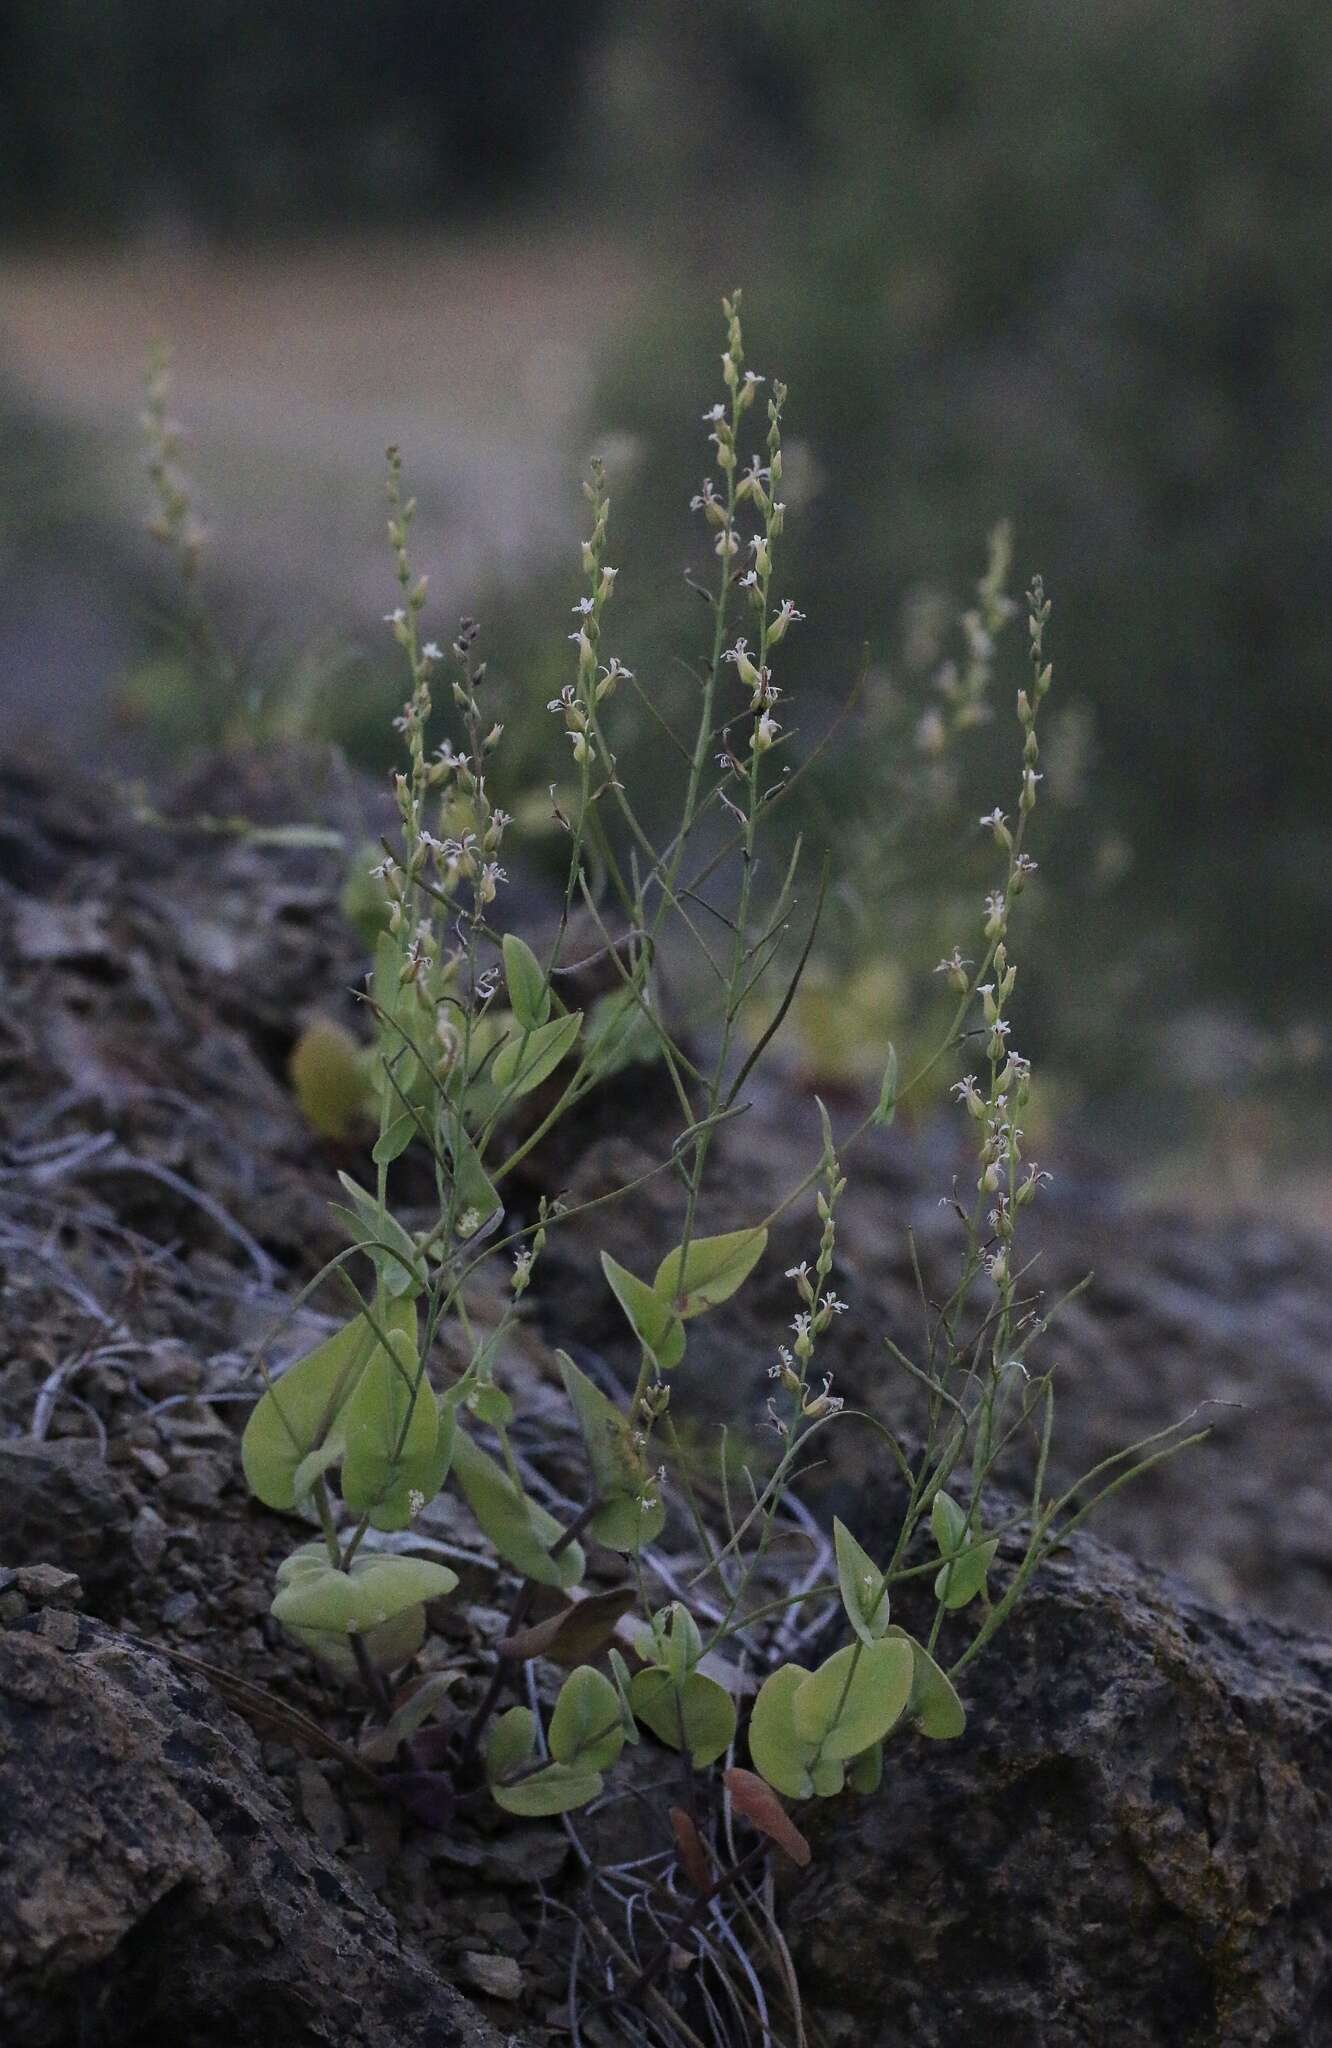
column 1064, row 261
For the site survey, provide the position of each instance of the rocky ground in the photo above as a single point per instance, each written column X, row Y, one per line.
column 1129, row 1844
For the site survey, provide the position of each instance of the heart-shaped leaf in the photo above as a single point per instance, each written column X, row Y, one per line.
column 530, row 1056
column 529, row 996
column 398, row 1442
column 949, row 1523
column 398, row 1135
column 314, row 1594
column 934, row 1706
column 381, row 1600
column 388, row 1647
column 296, row 1416
column 520, row 1530
column 559, row 1788
column 959, row 1582
column 698, row 1716
column 512, row 1742
column 475, row 1191
column 709, row 1271
column 855, row 1698
column 778, row 1752
column 623, row 1521
column 652, row 1320
column 380, row 1235
column 863, row 1588
column 619, row 1033
column 585, row 1729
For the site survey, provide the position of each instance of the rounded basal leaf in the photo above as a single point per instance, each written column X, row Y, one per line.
column 863, row 1588
column 827, row 1776
column 709, row 1271
column 958, row 1583
column 531, row 1056
column 865, row 1773
column 652, row 1320
column 585, row 1728
column 698, row 1717
column 934, row 1706
column 396, row 1453
column 520, row 1530
column 559, row 1788
column 387, row 1647
column 855, row 1698
column 619, row 1477
column 297, row 1414
column 315, row 1594
column 512, row 1742
column 529, row 997
column 777, row 1752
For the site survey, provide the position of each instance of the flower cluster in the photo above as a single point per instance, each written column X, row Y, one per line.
column 1005, row 1178
column 819, row 1306
column 577, row 702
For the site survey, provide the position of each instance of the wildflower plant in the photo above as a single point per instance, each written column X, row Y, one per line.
column 469, row 1021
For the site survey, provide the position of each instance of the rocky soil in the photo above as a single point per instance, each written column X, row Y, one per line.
column 1129, row 1844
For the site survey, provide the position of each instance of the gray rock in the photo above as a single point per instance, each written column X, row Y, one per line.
column 154, row 1885
column 1130, row 1843
column 63, row 1505
column 48, row 1586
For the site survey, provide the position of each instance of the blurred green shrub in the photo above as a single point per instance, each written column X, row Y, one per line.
column 1072, row 263
column 233, row 114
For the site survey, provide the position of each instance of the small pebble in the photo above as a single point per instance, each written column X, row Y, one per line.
column 494, row 1976
column 148, row 1539
column 49, row 1585
column 60, row 1627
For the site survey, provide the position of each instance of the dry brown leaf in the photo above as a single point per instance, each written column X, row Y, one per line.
column 756, row 1800
column 578, row 1633
column 693, row 1856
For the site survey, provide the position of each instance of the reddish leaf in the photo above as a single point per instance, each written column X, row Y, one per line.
column 764, row 1810
column 693, row 1856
